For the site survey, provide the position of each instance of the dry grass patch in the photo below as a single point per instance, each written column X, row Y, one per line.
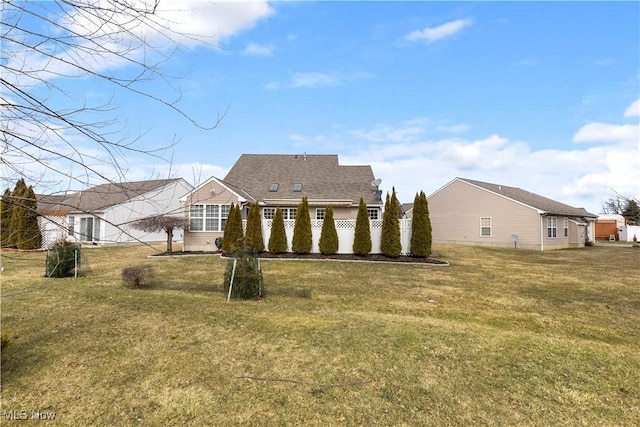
column 501, row 337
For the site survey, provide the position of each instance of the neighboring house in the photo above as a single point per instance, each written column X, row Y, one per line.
column 472, row 212
column 274, row 180
column 608, row 226
column 103, row 214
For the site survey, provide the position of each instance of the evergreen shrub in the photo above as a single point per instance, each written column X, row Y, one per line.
column 362, row 237
column 62, row 259
column 328, row 235
column 247, row 279
column 302, row 238
column 278, row 237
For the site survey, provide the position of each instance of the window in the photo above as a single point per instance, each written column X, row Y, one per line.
column 72, row 224
column 565, row 227
column 297, row 188
column 89, row 229
column 485, row 226
column 289, row 213
column 268, row 213
column 552, row 227
column 320, row 213
column 373, row 213
column 274, row 187
column 208, row 217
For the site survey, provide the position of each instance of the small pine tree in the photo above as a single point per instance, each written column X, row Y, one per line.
column 302, row 238
column 62, row 259
column 278, row 237
column 420, row 227
column 390, row 243
column 5, row 219
column 247, row 277
column 232, row 229
column 362, row 237
column 328, row 236
column 254, row 228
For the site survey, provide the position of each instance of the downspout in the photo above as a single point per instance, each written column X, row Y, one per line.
column 542, row 232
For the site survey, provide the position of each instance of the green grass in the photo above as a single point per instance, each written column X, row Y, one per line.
column 500, row 337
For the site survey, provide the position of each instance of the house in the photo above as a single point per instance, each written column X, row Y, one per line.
column 275, row 180
column 103, row 214
column 472, row 212
column 609, row 226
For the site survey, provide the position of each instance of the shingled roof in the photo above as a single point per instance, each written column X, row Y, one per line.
column 533, row 200
column 97, row 198
column 320, row 177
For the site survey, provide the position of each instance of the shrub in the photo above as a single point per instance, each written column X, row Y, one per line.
column 254, row 228
column 136, row 277
column 247, row 278
column 5, row 337
column 390, row 244
column 302, row 238
column 232, row 229
column 362, row 237
column 62, row 259
column 278, row 237
column 635, row 242
column 5, row 220
column 421, row 236
column 328, row 236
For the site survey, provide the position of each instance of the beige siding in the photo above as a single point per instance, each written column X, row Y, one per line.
column 210, row 193
column 455, row 213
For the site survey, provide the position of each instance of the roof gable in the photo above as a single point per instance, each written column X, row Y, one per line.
column 527, row 198
column 318, row 177
column 237, row 192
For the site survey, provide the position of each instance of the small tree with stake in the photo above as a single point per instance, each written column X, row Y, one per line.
column 166, row 223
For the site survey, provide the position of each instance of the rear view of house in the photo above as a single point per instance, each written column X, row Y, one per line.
column 472, row 212
column 277, row 180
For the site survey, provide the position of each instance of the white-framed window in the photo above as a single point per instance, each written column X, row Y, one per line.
column 320, row 213
column 72, row 225
column 565, row 227
column 289, row 213
column 552, row 227
column 485, row 226
column 268, row 213
column 208, row 217
column 89, row 229
column 374, row 213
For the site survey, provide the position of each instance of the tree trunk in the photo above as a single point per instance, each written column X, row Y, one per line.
column 170, row 240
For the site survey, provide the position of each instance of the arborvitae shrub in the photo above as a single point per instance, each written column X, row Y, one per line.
column 247, row 278
column 30, row 235
column 362, row 238
column 278, row 237
column 18, row 213
column 62, row 259
column 137, row 277
column 390, row 244
column 302, row 238
column 254, row 228
column 420, row 227
column 5, row 219
column 233, row 229
column 328, row 236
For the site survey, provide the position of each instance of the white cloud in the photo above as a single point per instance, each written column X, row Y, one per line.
column 255, row 49
column 605, row 132
column 432, row 34
column 633, row 110
column 312, row 80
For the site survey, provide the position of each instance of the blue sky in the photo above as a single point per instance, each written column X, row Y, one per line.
column 539, row 95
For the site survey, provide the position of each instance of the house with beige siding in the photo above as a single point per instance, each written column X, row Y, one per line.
column 279, row 180
column 470, row 212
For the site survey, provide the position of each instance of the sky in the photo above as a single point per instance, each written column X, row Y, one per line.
column 544, row 96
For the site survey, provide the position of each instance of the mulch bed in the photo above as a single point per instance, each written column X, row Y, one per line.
column 334, row 257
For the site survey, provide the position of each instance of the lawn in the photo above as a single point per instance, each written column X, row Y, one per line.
column 500, row 337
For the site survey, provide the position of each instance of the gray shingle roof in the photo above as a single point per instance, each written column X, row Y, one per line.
column 321, row 177
column 531, row 199
column 98, row 198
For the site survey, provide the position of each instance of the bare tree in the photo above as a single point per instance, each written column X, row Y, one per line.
column 166, row 223
column 54, row 136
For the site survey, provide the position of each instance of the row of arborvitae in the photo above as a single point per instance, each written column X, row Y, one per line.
column 390, row 244
column 19, row 220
